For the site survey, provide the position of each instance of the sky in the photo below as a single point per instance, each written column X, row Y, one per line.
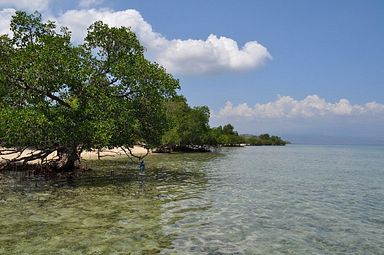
column 309, row 71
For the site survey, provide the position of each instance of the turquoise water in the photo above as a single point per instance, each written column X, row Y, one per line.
column 296, row 199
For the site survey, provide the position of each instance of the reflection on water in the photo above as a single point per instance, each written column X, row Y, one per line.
column 254, row 200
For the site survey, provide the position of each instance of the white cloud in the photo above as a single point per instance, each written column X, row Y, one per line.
column 89, row 3
column 32, row 5
column 79, row 20
column 309, row 107
column 213, row 55
column 5, row 18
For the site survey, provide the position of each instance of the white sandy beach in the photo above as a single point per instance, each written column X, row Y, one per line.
column 116, row 152
column 94, row 154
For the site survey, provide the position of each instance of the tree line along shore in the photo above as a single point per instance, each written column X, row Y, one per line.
column 61, row 98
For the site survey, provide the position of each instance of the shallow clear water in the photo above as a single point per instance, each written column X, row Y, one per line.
column 255, row 200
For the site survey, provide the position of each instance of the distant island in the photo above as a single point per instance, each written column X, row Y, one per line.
column 191, row 134
column 264, row 139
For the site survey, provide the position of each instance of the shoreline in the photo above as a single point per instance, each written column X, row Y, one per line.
column 85, row 155
column 112, row 153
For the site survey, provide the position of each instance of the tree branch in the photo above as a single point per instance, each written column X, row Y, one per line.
column 8, row 151
column 21, row 84
column 24, row 159
column 57, row 99
column 130, row 154
column 40, row 155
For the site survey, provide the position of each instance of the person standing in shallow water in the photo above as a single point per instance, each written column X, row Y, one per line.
column 142, row 166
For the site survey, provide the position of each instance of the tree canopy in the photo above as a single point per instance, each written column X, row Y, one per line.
column 59, row 97
column 188, row 127
column 264, row 139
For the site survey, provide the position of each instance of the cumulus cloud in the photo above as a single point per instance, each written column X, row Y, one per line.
column 216, row 54
column 310, row 107
column 213, row 55
column 79, row 20
column 39, row 5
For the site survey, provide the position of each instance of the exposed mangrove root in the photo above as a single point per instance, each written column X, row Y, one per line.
column 59, row 159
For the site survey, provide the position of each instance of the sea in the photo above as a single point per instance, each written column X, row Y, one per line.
column 294, row 199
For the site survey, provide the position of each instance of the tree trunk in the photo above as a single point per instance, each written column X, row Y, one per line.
column 69, row 159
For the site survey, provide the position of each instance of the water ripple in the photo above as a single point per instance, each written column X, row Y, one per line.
column 254, row 200
column 287, row 201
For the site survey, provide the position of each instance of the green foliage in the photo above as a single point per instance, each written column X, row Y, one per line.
column 264, row 139
column 229, row 130
column 103, row 93
column 225, row 136
column 188, row 126
column 15, row 125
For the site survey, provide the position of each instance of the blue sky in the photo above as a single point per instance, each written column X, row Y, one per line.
column 293, row 68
